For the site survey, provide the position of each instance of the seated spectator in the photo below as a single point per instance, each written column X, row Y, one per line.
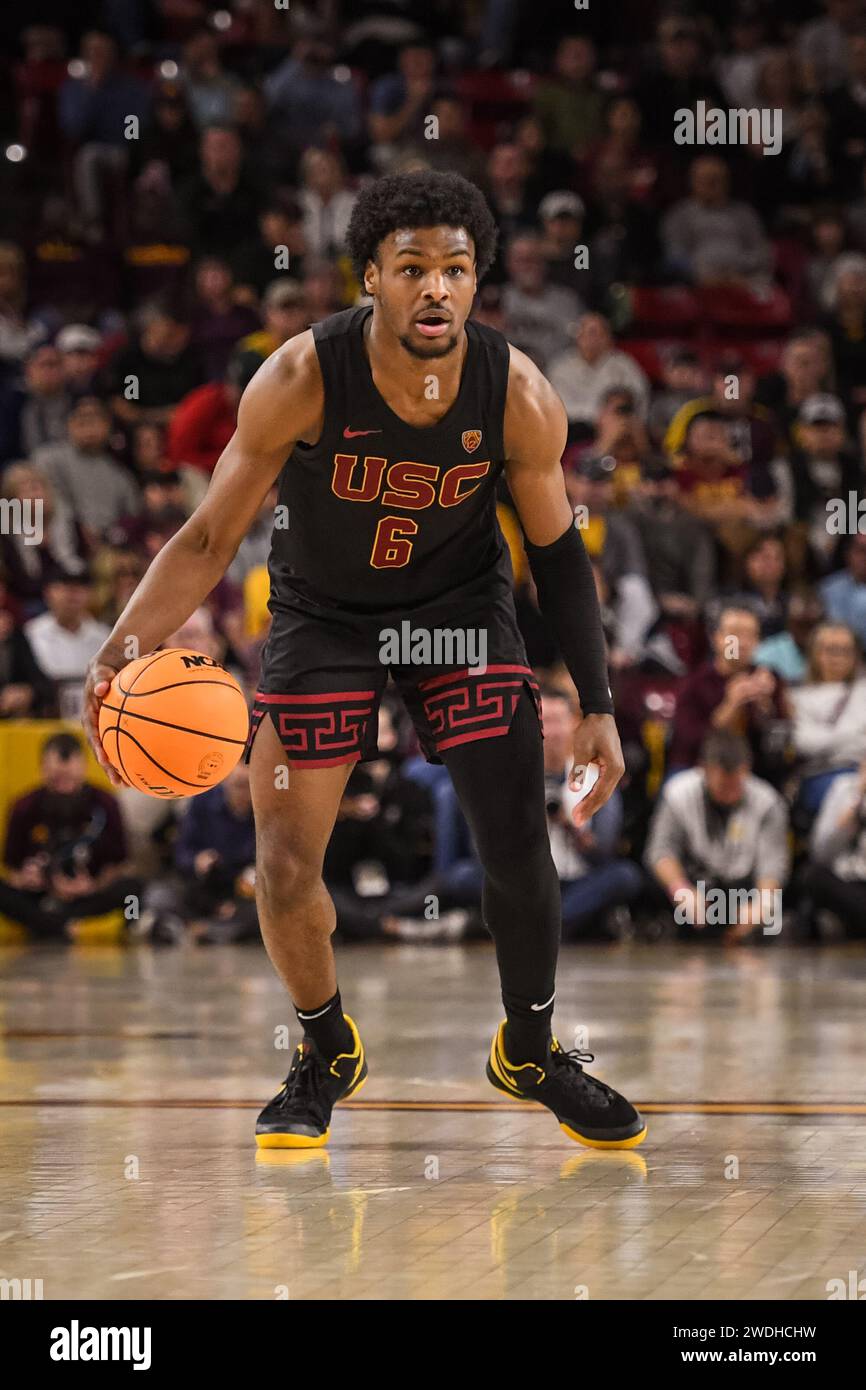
column 215, row 856
column 781, row 88
column 562, row 215
column 540, row 317
column 306, row 102
column 148, row 449
column 592, row 367
column 844, row 593
column 263, row 147
column 682, row 381
column 118, row 573
column 509, row 193
column 738, row 68
column 220, row 201
column 828, row 728
column 206, row 419
column 25, row 690
column 280, row 239
column 829, row 236
column 824, row 466
column 569, row 102
column 621, row 233
column 833, row 878
column 45, row 401
column 65, row 639
column 804, row 372
column 678, row 548
column 400, row 102
column 730, row 694
column 161, row 493
column 452, row 152
column 217, row 322
column 786, row 652
column 168, row 148
column 718, row 845
column 209, row 90
column 79, row 347
column 678, row 74
column 57, row 545
column 846, row 327
column 65, row 850
column 764, row 589
column 710, row 239
column 717, row 488
column 612, row 539
column 96, row 490
column 546, row 169
column 325, row 289
column 823, row 44
column 855, row 227
column 847, row 113
column 19, row 333
column 326, row 202
column 621, row 144
column 148, row 377
column 621, row 434
column 93, row 110
column 752, row 430
column 286, row 313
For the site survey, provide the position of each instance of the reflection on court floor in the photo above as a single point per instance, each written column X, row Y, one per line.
column 130, row 1081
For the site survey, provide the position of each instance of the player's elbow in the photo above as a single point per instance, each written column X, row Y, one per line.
column 208, row 542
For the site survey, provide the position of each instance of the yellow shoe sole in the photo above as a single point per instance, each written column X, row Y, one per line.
column 303, row 1141
column 631, row 1143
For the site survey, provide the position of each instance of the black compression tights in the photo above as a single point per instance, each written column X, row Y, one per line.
column 500, row 786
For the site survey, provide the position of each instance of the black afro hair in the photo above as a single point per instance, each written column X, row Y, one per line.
column 419, row 199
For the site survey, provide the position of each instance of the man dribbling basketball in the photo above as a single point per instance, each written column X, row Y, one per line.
column 397, row 421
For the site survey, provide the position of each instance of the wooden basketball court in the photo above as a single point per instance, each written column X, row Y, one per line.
column 130, row 1080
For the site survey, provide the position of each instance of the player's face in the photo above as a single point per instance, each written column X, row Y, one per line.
column 424, row 285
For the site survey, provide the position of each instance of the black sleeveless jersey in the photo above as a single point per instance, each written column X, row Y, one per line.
column 380, row 516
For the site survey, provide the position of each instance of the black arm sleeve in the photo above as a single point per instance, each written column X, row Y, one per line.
column 567, row 597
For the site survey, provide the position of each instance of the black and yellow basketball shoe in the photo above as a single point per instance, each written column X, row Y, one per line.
column 299, row 1116
column 586, row 1109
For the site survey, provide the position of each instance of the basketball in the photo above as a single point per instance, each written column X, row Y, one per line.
column 174, row 723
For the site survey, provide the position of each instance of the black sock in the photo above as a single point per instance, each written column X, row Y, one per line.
column 527, row 1030
column 327, row 1027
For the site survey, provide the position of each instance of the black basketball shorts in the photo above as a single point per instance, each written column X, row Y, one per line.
column 323, row 676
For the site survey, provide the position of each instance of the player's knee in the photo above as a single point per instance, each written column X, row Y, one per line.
column 511, row 864
column 286, row 876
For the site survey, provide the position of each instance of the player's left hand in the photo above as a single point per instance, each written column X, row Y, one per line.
column 596, row 740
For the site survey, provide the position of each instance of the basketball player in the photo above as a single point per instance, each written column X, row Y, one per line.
column 388, row 426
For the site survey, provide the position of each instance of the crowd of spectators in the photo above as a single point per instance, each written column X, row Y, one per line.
column 174, row 199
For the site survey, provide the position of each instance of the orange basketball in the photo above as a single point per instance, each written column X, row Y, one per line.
column 174, row 723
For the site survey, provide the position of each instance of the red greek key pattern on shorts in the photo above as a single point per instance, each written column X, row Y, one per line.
column 318, row 730
column 467, row 705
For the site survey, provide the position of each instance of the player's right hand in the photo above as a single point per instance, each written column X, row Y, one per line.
column 96, row 687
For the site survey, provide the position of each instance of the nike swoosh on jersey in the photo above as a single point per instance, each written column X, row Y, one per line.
column 353, row 434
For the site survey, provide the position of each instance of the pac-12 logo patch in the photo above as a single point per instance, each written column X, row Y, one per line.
column 471, row 440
